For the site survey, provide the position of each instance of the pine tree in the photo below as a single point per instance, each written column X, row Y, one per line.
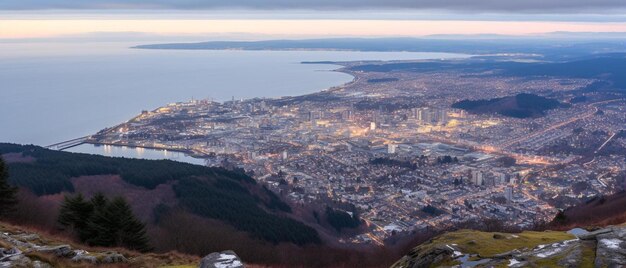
column 100, row 222
column 75, row 213
column 99, row 201
column 133, row 231
column 115, row 225
column 8, row 193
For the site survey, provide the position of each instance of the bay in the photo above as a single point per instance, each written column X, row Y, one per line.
column 52, row 92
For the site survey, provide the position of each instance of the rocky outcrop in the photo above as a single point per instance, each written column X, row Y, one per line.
column 20, row 247
column 419, row 257
column 610, row 247
column 605, row 247
column 26, row 249
column 224, row 259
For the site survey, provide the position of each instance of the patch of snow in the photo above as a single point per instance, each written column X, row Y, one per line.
column 513, row 262
column 225, row 257
column 227, row 261
column 455, row 253
column 548, row 253
column 611, row 243
column 514, row 236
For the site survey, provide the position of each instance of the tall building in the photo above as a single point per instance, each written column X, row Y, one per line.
column 477, row 177
column 347, row 115
column 441, row 116
column 314, row 115
column 373, row 126
column 423, row 115
column 508, row 194
column 391, row 148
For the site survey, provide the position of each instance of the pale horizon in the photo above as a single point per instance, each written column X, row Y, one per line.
column 44, row 28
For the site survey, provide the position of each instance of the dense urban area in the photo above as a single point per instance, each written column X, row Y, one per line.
column 405, row 148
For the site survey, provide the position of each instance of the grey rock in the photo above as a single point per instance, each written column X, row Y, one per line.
column 85, row 258
column 112, row 257
column 592, row 235
column 7, row 254
column 573, row 257
column 59, row 251
column 224, row 259
column 508, row 254
column 18, row 260
column 425, row 259
column 611, row 249
column 39, row 264
column 27, row 237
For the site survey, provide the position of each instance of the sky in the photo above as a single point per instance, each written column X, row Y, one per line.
column 264, row 19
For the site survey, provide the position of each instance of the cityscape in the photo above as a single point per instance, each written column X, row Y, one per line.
column 312, row 134
column 390, row 147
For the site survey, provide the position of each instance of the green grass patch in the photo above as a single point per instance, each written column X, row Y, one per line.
column 485, row 245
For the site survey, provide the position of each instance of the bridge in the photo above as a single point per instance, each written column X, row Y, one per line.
column 64, row 145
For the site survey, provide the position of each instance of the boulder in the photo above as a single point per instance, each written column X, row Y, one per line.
column 434, row 255
column 592, row 235
column 611, row 248
column 27, row 237
column 59, row 251
column 112, row 257
column 224, row 259
column 85, row 258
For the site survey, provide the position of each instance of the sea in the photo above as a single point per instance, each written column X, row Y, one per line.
column 56, row 91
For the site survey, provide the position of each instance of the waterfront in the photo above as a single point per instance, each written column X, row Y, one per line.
column 135, row 152
column 81, row 88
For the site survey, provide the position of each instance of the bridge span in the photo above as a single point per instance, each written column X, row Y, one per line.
column 64, row 145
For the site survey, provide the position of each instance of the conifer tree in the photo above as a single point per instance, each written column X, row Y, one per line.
column 115, row 225
column 133, row 231
column 8, row 193
column 100, row 222
column 75, row 213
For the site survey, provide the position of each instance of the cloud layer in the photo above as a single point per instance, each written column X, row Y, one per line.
column 527, row 6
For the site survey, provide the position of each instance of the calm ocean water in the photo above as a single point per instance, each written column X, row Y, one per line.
column 51, row 92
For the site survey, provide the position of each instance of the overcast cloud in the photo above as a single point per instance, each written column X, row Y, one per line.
column 513, row 6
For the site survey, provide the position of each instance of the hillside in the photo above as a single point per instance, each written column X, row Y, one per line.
column 218, row 202
column 23, row 247
column 599, row 211
column 185, row 208
column 601, row 248
column 519, row 106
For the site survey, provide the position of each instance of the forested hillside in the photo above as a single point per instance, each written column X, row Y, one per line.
column 212, row 193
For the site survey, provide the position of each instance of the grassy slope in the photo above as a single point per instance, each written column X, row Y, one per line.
column 484, row 244
column 136, row 259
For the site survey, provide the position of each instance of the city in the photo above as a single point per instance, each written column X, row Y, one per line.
column 389, row 147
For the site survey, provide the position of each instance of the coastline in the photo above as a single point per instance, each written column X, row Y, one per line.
column 337, row 67
column 200, row 155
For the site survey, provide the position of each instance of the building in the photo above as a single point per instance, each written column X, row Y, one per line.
column 391, row 148
column 477, row 177
column 508, row 194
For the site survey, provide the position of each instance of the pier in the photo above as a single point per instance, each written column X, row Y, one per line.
column 64, row 145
